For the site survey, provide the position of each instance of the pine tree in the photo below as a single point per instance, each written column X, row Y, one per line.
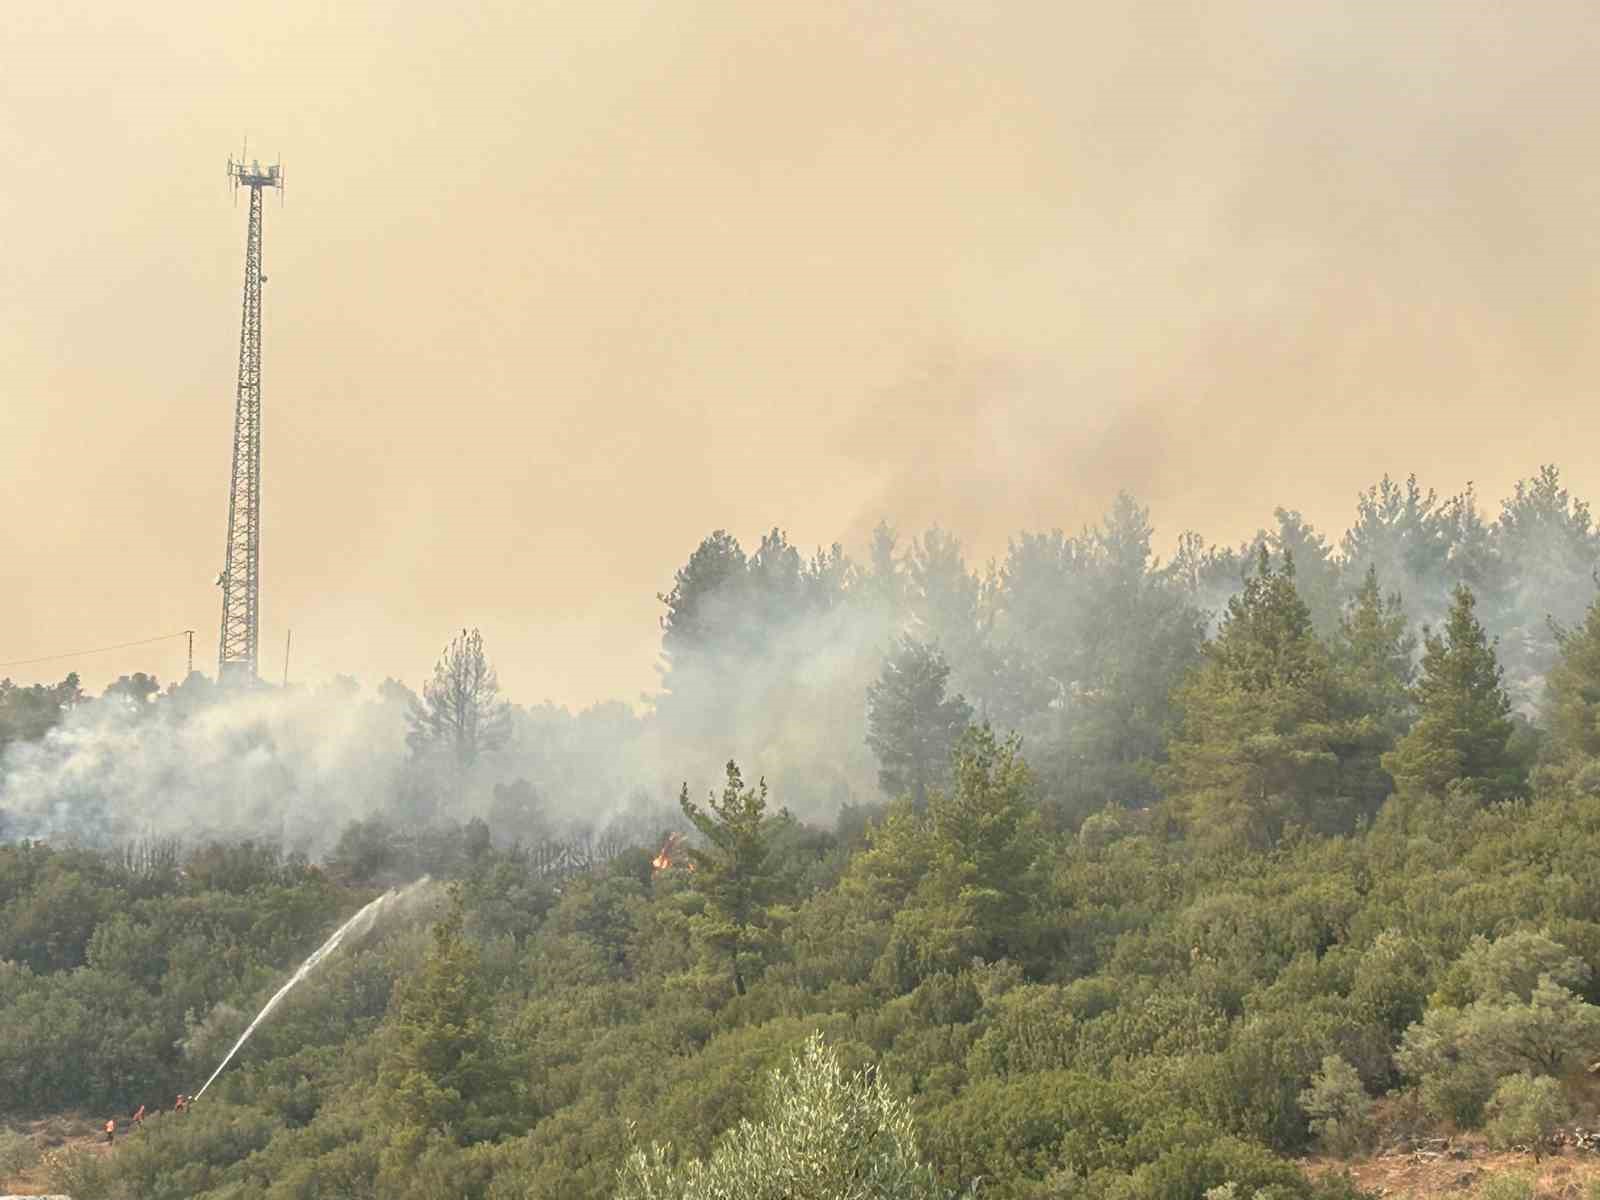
column 948, row 607
column 1375, row 652
column 732, row 871
column 1572, row 699
column 1317, row 569
column 1402, row 532
column 1266, row 639
column 985, row 843
column 884, row 580
column 461, row 714
column 1548, row 548
column 1092, row 633
column 911, row 725
column 439, row 1066
column 1463, row 714
column 1258, row 746
column 1373, row 657
column 704, row 591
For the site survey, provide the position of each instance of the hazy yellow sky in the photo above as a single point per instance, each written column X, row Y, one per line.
column 559, row 287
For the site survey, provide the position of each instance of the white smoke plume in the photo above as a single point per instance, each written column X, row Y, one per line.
column 772, row 672
column 291, row 765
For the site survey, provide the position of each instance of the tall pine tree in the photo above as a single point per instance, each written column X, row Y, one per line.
column 441, row 1075
column 912, row 726
column 1258, row 745
column 1463, row 724
column 1093, row 632
column 1373, row 657
column 1571, row 706
column 732, row 872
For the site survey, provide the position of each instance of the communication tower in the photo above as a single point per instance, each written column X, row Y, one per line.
column 240, row 577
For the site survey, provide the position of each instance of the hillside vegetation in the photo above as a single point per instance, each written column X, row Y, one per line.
column 1150, row 911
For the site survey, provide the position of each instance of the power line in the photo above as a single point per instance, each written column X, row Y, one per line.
column 28, row 662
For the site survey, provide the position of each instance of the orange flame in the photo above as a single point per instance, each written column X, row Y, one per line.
column 668, row 856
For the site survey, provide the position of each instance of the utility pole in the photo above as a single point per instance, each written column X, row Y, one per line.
column 288, row 640
column 240, row 577
column 190, row 671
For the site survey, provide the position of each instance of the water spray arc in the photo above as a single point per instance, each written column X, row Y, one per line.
column 359, row 923
column 240, row 577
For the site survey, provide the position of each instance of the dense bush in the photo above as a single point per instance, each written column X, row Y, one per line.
column 1223, row 1025
column 1526, row 1110
column 1339, row 1108
column 18, row 1152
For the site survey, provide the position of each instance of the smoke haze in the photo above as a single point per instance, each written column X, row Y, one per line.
column 558, row 288
column 291, row 766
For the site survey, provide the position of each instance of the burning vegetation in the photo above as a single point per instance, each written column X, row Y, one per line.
column 674, row 853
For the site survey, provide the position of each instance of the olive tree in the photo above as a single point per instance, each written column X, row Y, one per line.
column 824, row 1136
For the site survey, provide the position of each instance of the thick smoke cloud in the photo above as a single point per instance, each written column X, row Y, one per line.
column 558, row 288
column 290, row 766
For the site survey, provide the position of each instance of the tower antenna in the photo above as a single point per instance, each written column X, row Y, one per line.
column 240, row 577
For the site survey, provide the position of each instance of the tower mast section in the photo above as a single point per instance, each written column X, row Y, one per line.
column 240, row 579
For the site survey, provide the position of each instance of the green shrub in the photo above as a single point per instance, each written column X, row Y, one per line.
column 1456, row 1054
column 18, row 1152
column 1339, row 1108
column 1453, row 1084
column 1391, row 981
column 1184, row 1171
column 1023, row 1128
column 76, row 1172
column 1525, row 1111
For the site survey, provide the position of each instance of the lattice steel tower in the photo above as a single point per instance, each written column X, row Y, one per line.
column 240, row 578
